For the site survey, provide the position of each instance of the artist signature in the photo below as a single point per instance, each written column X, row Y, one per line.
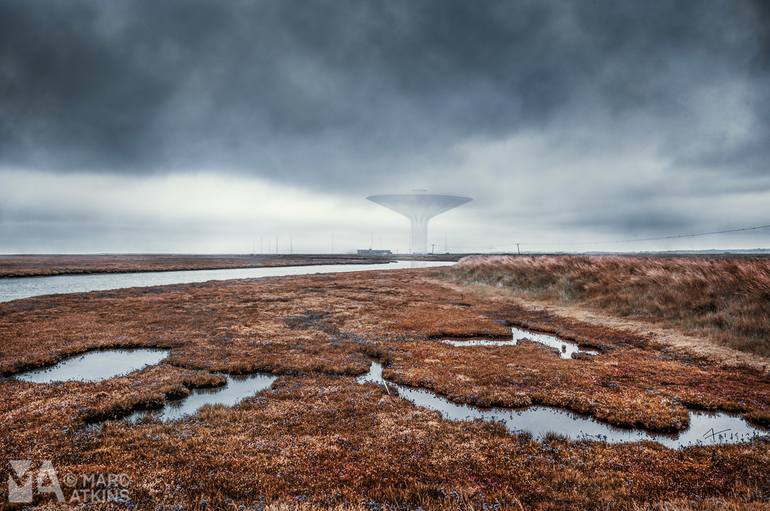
column 712, row 434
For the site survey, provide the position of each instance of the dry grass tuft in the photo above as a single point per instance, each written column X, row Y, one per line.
column 726, row 299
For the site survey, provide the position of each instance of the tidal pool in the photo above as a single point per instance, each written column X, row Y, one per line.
column 236, row 389
column 705, row 428
column 96, row 365
column 565, row 348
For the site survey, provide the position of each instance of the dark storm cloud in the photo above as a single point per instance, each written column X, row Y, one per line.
column 343, row 93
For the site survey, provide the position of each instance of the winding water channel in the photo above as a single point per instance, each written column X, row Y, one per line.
column 25, row 287
column 705, row 428
column 565, row 348
column 237, row 389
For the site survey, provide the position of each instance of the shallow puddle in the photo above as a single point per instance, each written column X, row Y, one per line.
column 565, row 348
column 237, row 389
column 96, row 365
column 705, row 428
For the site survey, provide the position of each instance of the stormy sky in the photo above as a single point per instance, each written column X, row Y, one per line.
column 221, row 126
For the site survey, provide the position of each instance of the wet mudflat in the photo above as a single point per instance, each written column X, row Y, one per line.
column 96, row 366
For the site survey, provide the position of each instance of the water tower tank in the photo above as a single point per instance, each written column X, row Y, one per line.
column 419, row 208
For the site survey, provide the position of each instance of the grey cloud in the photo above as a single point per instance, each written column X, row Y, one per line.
column 350, row 94
column 624, row 118
column 634, row 221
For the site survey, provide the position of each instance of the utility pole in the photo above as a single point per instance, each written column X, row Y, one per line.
column 518, row 249
column 276, row 245
column 432, row 248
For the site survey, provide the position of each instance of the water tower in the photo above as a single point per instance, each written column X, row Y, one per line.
column 419, row 207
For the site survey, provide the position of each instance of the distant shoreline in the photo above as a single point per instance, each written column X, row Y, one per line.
column 23, row 266
column 49, row 265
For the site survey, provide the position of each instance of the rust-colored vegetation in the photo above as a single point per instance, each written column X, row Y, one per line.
column 724, row 298
column 319, row 439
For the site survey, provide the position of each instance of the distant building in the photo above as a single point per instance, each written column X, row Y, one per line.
column 373, row 252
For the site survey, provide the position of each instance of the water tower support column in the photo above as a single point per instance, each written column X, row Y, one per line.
column 418, row 241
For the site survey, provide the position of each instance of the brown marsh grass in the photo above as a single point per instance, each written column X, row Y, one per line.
column 317, row 439
column 724, row 298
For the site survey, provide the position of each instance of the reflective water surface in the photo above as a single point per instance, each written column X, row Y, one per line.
column 96, row 365
column 25, row 287
column 237, row 389
column 705, row 428
column 565, row 348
